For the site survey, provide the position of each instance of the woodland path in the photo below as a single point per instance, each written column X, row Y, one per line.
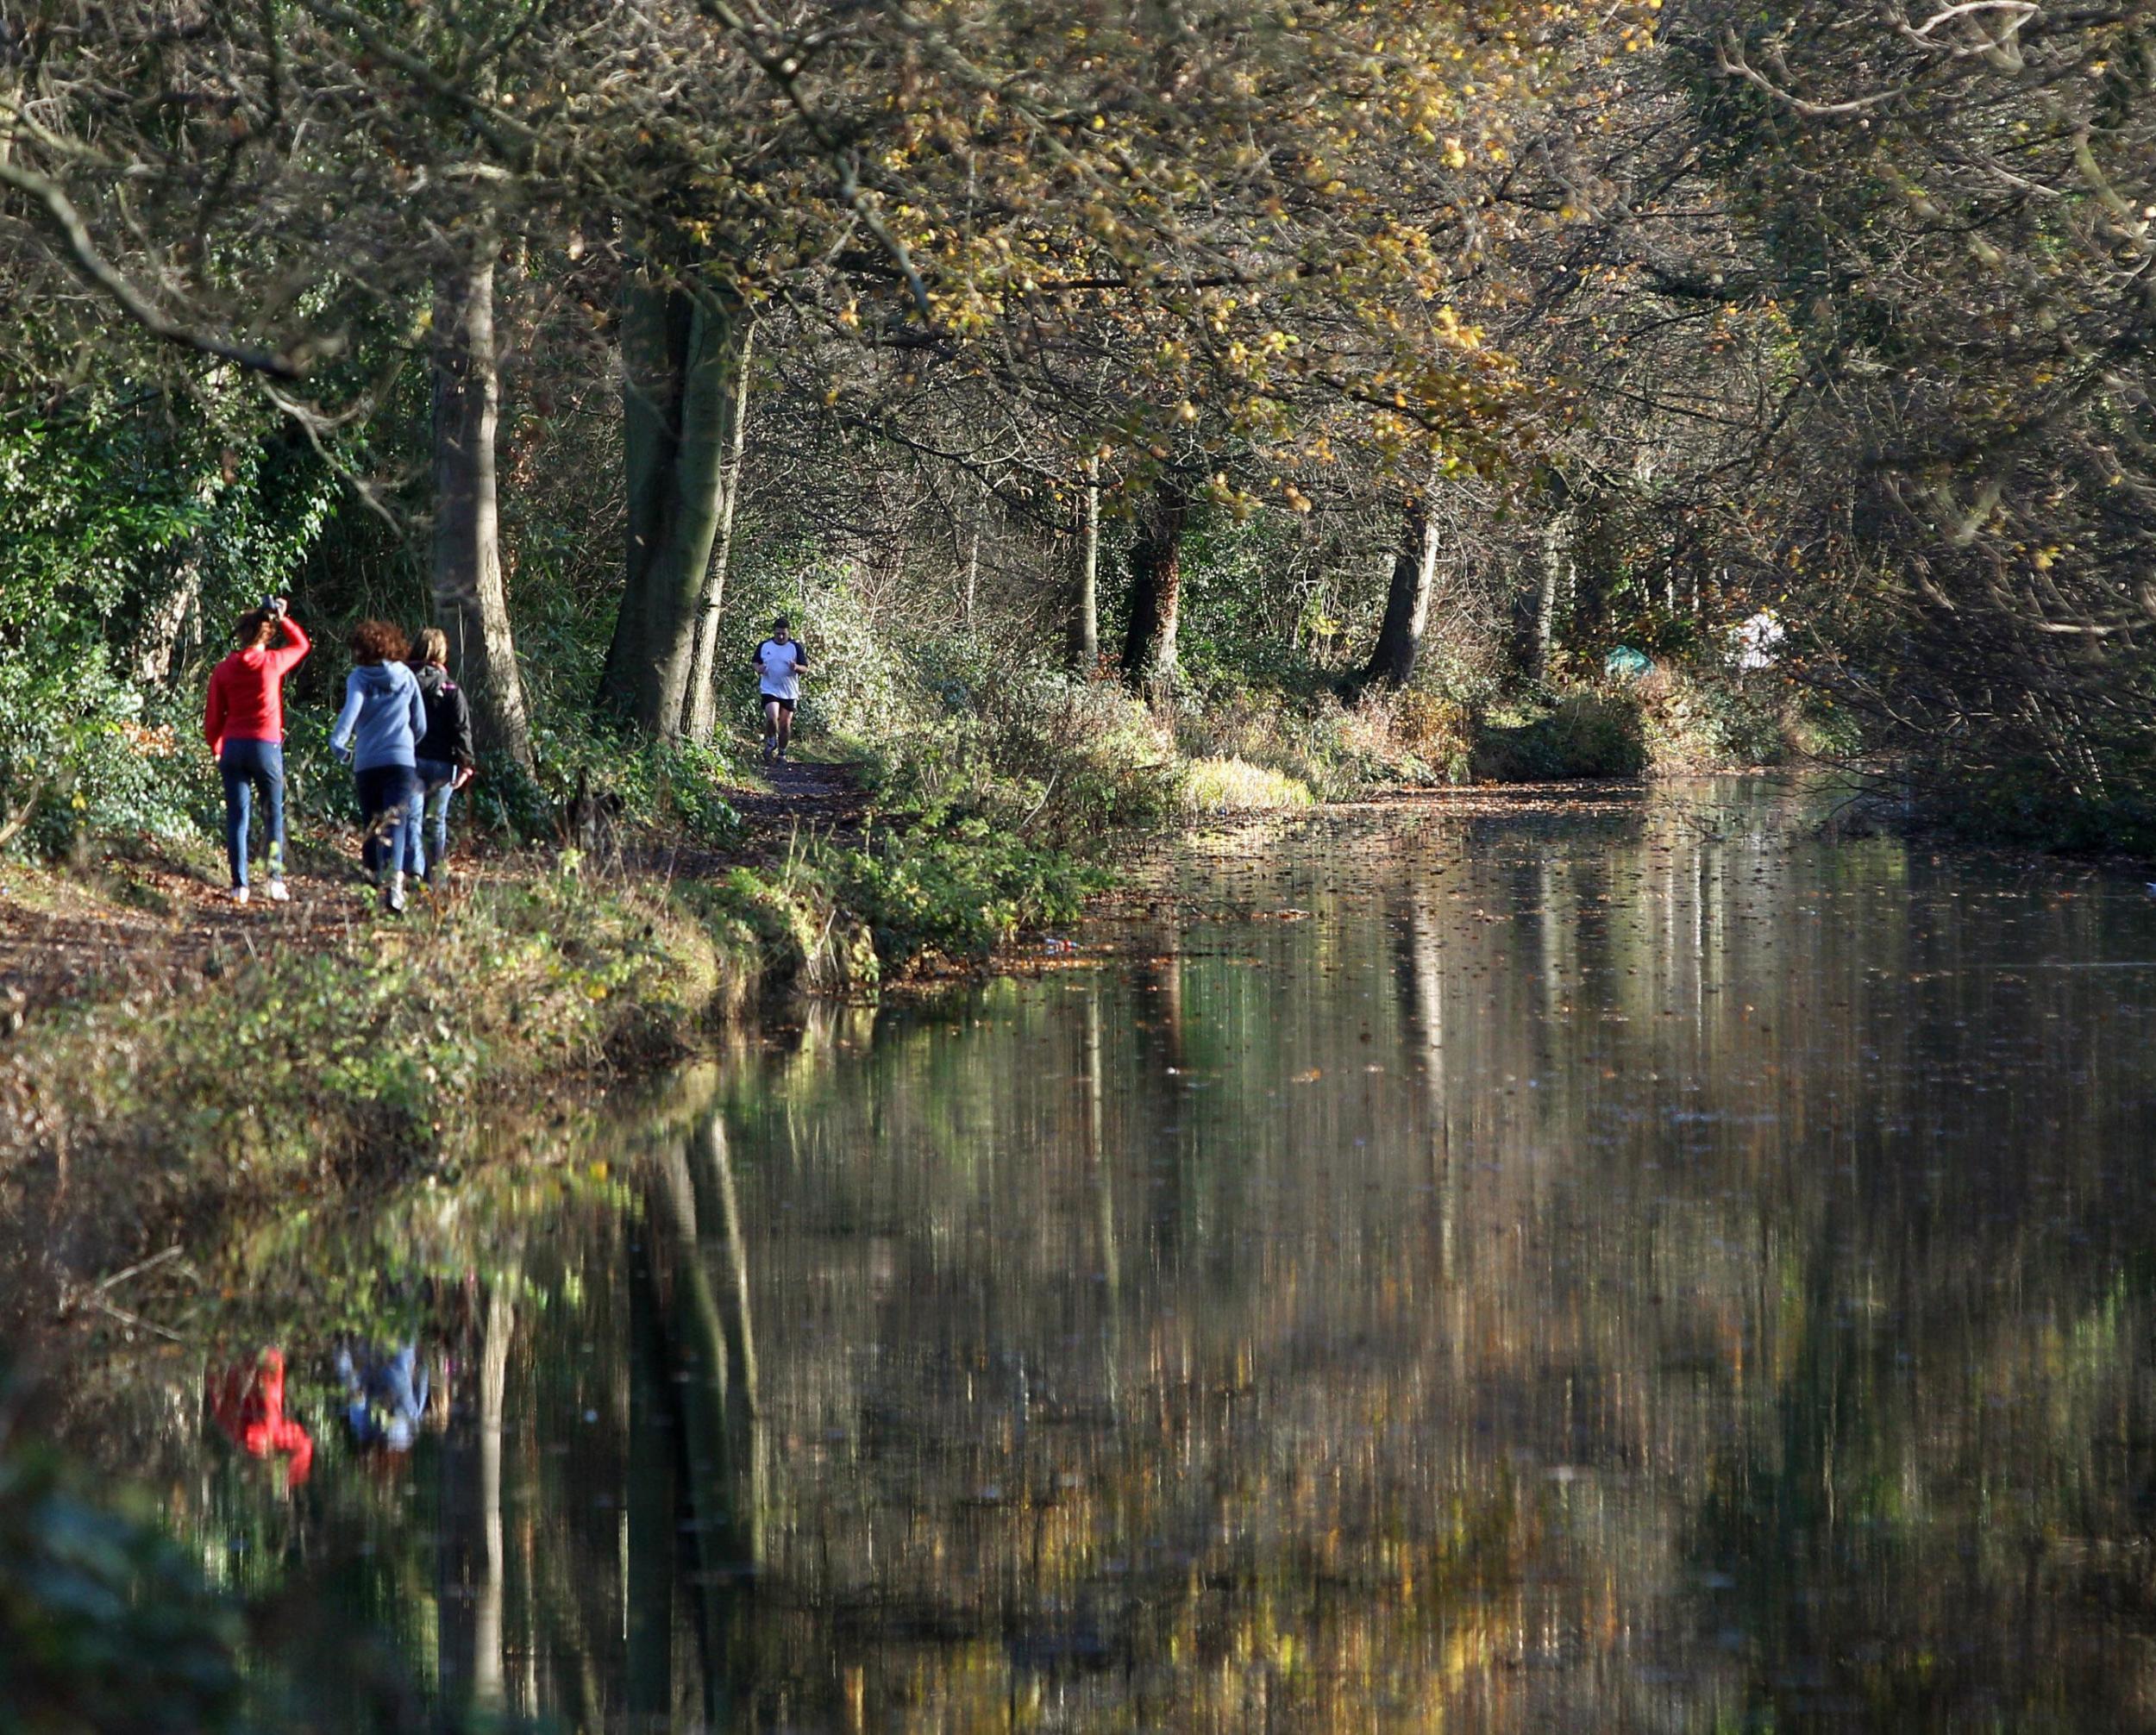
column 145, row 924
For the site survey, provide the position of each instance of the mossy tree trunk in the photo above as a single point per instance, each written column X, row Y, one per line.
column 684, row 350
column 700, row 713
column 470, row 599
column 1149, row 645
column 1398, row 646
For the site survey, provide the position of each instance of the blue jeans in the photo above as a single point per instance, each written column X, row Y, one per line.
column 250, row 767
column 388, row 808
column 436, row 775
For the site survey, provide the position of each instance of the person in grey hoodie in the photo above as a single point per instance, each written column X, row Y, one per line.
column 379, row 731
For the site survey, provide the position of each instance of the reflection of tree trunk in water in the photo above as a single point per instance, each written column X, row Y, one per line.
column 1104, row 1194
column 575, row 1674
column 1173, row 1215
column 1426, row 961
column 1171, row 1008
column 1555, row 931
column 486, row 1647
column 714, row 1376
column 453, row 1599
column 717, row 1199
column 652, row 1547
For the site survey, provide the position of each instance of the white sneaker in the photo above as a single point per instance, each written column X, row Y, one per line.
column 393, row 895
column 276, row 892
column 238, row 894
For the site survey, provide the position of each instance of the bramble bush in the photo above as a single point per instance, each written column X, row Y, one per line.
column 1059, row 760
column 958, row 891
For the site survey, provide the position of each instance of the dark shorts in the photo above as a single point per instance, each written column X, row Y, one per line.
column 784, row 704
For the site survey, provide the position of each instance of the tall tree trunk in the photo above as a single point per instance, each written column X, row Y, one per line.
column 700, row 718
column 156, row 647
column 654, row 1522
column 1149, row 646
column 973, row 556
column 682, row 352
column 1407, row 598
column 1085, row 602
column 1557, row 547
column 469, row 598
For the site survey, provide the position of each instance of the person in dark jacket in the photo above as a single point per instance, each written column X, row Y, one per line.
column 379, row 731
column 445, row 759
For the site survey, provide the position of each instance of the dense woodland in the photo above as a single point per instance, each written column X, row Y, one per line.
column 1342, row 382
column 1142, row 408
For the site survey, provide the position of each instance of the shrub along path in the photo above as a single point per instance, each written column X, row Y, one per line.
column 142, row 922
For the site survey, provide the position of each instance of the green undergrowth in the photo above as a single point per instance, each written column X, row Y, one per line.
column 959, row 893
column 1056, row 764
column 300, row 1055
column 141, row 771
column 1243, row 749
column 2032, row 804
column 289, row 1057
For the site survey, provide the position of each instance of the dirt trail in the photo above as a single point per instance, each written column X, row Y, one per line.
column 826, row 800
column 138, row 925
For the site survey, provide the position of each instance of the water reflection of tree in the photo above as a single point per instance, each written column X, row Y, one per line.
column 471, row 1559
column 1723, row 1301
column 697, row 1272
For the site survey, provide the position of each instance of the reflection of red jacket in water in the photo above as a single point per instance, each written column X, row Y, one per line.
column 248, row 1406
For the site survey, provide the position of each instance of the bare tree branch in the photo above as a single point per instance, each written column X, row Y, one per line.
column 66, row 221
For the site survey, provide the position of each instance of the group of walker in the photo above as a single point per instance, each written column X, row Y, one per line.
column 406, row 730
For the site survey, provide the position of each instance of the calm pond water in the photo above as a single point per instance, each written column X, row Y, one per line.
column 1617, row 1265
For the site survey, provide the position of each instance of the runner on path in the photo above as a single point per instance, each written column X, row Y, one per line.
column 243, row 721
column 780, row 661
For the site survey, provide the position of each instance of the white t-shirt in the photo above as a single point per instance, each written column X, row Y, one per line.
column 779, row 661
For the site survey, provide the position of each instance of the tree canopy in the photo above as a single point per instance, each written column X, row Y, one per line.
column 1535, row 328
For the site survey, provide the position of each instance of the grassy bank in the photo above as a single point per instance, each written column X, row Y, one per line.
column 268, row 1061
column 281, row 1047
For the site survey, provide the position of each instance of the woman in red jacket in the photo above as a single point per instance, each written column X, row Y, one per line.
column 244, row 724
column 247, row 1405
